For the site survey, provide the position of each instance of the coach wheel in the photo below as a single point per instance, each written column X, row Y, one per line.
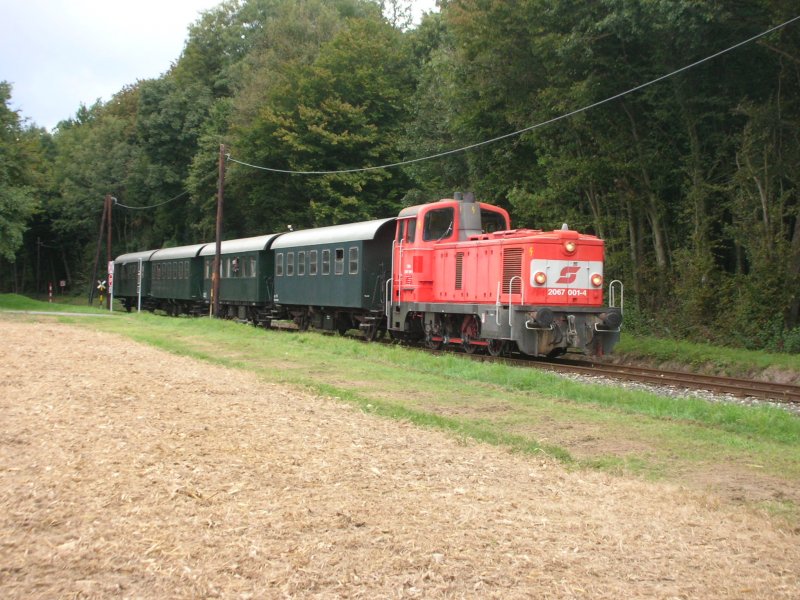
column 343, row 324
column 374, row 332
column 496, row 347
column 302, row 321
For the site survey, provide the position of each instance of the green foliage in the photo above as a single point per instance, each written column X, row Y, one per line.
column 19, row 174
column 692, row 182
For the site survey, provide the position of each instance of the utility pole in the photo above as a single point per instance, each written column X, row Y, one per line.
column 108, row 251
column 220, row 202
column 97, row 254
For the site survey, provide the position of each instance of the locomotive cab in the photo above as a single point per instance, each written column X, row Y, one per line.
column 422, row 230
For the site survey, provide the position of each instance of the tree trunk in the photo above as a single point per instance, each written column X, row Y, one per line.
column 652, row 208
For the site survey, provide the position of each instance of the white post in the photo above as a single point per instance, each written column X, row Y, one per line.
column 139, row 286
column 111, row 285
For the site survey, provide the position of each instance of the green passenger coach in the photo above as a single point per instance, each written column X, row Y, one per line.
column 335, row 277
column 246, row 277
column 177, row 279
column 129, row 271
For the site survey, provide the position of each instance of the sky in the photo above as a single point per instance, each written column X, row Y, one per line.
column 59, row 54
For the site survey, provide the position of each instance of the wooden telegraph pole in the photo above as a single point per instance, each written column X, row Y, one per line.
column 220, row 202
column 108, row 252
column 106, row 209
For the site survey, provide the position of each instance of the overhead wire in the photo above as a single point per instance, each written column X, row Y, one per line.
column 526, row 129
column 118, row 203
column 183, row 193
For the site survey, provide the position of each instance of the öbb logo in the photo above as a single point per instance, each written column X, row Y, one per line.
column 568, row 275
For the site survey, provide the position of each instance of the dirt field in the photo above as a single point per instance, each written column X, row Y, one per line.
column 128, row 472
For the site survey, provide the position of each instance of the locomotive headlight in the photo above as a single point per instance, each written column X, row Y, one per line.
column 597, row 280
column 569, row 246
column 540, row 278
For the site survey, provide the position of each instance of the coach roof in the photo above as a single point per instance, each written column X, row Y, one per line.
column 135, row 257
column 179, row 252
column 352, row 232
column 251, row 244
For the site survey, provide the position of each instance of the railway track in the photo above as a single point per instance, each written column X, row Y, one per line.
column 742, row 388
column 737, row 387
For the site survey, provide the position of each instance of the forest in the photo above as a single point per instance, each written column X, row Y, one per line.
column 693, row 180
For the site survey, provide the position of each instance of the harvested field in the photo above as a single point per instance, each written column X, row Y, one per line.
column 129, row 472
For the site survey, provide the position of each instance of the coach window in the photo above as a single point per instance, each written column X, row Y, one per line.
column 301, row 263
column 338, row 268
column 353, row 260
column 279, row 265
column 252, row 266
column 326, row 262
column 289, row 264
column 438, row 224
column 312, row 262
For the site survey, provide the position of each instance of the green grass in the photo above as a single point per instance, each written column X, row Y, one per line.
column 724, row 360
column 617, row 430
column 60, row 304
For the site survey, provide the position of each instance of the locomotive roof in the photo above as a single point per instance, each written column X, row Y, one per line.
column 179, row 252
column 351, row 232
column 144, row 255
column 251, row 244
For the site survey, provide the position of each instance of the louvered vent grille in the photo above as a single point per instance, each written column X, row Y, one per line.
column 459, row 269
column 512, row 270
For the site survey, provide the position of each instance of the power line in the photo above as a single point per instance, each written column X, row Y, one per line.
column 118, row 203
column 526, row 129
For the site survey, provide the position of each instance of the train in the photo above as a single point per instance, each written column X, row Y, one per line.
column 449, row 272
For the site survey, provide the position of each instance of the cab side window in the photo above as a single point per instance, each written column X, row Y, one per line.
column 438, row 224
column 492, row 221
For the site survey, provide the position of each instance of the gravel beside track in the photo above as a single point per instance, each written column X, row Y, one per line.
column 129, row 472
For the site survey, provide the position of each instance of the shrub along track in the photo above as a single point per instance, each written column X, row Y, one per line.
column 128, row 471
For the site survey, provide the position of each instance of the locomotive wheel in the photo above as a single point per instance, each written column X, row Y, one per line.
column 433, row 344
column 496, row 347
column 470, row 330
column 469, row 348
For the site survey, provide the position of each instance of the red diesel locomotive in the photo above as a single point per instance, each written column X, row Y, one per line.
column 461, row 275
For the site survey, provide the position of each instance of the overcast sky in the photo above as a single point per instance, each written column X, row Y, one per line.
column 58, row 54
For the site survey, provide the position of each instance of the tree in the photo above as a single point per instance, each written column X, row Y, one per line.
column 343, row 110
column 17, row 177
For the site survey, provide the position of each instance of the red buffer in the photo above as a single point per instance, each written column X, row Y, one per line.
column 461, row 275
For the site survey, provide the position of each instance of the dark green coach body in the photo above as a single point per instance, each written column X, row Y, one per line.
column 342, row 266
column 177, row 274
column 126, row 274
column 246, row 270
